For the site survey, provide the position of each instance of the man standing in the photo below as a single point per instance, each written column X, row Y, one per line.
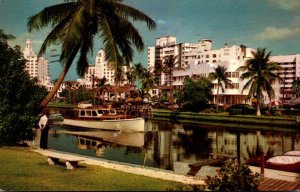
column 44, row 127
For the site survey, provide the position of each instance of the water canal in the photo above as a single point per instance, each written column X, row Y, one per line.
column 168, row 145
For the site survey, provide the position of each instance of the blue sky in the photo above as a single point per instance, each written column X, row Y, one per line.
column 274, row 24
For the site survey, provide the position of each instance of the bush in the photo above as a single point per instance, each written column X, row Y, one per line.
column 246, row 109
column 234, row 178
column 235, row 111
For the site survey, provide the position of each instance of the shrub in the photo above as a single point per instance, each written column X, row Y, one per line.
column 234, row 178
column 246, row 109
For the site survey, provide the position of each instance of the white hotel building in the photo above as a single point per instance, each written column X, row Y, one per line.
column 200, row 60
column 100, row 70
column 37, row 67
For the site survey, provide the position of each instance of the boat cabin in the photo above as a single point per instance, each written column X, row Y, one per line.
column 94, row 112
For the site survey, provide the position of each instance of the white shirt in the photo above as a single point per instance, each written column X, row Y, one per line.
column 43, row 121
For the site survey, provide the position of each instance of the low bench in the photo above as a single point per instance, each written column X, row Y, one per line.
column 71, row 161
column 195, row 167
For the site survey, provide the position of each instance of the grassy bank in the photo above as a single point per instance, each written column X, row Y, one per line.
column 23, row 170
column 224, row 120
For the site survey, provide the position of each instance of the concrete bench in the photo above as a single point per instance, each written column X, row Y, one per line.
column 195, row 167
column 71, row 161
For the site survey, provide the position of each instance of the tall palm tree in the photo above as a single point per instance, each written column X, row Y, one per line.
column 169, row 63
column 138, row 70
column 75, row 24
column 158, row 69
column 221, row 77
column 102, row 86
column 147, row 81
column 260, row 73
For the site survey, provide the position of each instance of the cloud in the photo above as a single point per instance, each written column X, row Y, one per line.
column 275, row 34
column 288, row 5
column 160, row 22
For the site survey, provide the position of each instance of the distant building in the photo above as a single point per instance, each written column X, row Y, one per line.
column 196, row 60
column 290, row 71
column 101, row 69
column 37, row 67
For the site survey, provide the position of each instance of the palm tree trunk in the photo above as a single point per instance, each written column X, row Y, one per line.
column 217, row 102
column 258, row 109
column 60, row 79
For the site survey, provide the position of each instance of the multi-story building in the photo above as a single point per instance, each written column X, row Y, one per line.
column 290, row 71
column 101, row 69
column 196, row 60
column 37, row 67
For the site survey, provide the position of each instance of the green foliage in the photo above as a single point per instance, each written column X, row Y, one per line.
column 19, row 98
column 296, row 87
column 196, row 94
column 241, row 109
column 74, row 96
column 234, row 178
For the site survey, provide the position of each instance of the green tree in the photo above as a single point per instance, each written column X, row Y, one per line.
column 296, row 87
column 147, row 81
column 169, row 63
column 158, row 69
column 20, row 96
column 76, row 23
column 234, row 178
column 102, row 87
column 259, row 72
column 196, row 94
column 138, row 70
column 220, row 76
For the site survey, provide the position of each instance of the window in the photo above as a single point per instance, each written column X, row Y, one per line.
column 94, row 114
column 214, row 55
column 82, row 113
column 207, row 56
column 88, row 113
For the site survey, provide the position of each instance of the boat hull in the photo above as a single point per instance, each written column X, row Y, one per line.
column 284, row 163
column 135, row 124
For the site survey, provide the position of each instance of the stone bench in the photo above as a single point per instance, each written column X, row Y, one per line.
column 71, row 161
column 195, row 167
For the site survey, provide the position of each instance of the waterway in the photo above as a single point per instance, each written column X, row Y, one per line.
column 172, row 146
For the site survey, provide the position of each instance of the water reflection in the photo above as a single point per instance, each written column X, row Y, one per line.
column 166, row 145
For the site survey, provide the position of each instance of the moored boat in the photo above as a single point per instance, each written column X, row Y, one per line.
column 284, row 163
column 104, row 118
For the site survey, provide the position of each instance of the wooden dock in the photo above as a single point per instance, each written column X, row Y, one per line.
column 268, row 184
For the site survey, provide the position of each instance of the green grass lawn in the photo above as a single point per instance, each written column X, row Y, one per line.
column 24, row 170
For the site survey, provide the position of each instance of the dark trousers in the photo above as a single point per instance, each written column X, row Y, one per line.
column 44, row 138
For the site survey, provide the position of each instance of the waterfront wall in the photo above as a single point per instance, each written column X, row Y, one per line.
column 236, row 121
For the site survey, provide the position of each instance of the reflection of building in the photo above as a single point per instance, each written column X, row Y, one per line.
column 99, row 140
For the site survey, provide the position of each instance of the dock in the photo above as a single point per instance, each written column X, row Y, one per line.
column 268, row 184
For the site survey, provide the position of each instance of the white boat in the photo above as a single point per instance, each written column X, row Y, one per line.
column 289, row 163
column 104, row 118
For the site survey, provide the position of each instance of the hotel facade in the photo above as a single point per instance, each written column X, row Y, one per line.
column 37, row 67
column 199, row 59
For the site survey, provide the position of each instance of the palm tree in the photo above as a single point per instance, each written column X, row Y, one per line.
column 102, row 86
column 259, row 72
column 147, row 81
column 158, row 69
column 169, row 64
column 221, row 77
column 138, row 70
column 75, row 24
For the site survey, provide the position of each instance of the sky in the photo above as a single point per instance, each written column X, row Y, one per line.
column 271, row 24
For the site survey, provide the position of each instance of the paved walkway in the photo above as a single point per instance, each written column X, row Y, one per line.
column 274, row 180
column 134, row 169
